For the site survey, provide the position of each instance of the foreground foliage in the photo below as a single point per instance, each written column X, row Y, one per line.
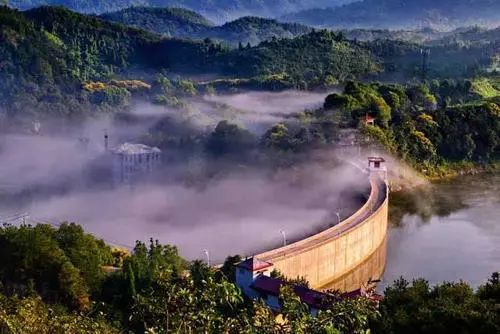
column 444, row 308
column 154, row 290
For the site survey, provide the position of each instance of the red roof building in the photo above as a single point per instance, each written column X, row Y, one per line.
column 253, row 277
column 271, row 286
column 254, row 264
column 369, row 120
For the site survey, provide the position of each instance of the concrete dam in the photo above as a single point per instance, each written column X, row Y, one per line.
column 344, row 255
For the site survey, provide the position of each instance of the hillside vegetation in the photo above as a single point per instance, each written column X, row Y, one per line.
column 49, row 52
column 320, row 57
column 253, row 30
column 431, row 125
column 66, row 281
column 447, row 57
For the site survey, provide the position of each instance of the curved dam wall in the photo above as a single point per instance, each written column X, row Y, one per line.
column 336, row 252
column 371, row 269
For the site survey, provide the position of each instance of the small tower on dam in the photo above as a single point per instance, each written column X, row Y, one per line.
column 377, row 167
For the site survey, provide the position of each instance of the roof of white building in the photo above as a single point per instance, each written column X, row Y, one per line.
column 129, row 148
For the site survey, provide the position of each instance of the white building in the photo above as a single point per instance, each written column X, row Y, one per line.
column 134, row 161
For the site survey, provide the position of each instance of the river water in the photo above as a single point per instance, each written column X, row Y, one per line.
column 448, row 231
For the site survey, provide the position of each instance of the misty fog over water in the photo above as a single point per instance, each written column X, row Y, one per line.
column 239, row 211
column 452, row 235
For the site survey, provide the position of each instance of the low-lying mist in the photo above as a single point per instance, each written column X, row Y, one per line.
column 240, row 210
column 281, row 103
column 241, row 213
column 257, row 111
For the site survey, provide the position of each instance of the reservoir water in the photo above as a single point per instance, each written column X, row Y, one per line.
column 448, row 231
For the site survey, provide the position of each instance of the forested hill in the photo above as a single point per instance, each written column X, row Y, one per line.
column 177, row 22
column 320, row 57
column 254, row 30
column 403, row 13
column 48, row 53
column 217, row 10
column 80, row 43
column 188, row 24
column 87, row 47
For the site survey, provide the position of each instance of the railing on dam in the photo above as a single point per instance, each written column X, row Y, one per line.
column 334, row 252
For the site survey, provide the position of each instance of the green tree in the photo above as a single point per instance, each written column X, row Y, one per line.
column 228, row 269
column 278, row 137
column 491, row 290
column 32, row 316
column 85, row 252
column 30, row 257
column 444, row 308
column 229, row 138
column 182, row 305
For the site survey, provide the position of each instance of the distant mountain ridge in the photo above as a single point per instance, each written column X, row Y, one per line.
column 184, row 23
column 177, row 22
column 254, row 30
column 402, row 14
column 217, row 10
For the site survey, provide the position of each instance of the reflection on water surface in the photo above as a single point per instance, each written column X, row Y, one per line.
column 447, row 232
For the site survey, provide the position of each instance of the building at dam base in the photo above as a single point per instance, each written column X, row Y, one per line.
column 338, row 258
column 254, row 278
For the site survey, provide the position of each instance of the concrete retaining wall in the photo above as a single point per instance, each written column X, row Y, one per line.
column 371, row 269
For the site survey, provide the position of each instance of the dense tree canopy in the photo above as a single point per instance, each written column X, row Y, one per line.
column 52, row 60
column 444, row 308
column 431, row 123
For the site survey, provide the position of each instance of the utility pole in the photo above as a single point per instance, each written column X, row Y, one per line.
column 106, row 140
column 207, row 253
column 284, row 237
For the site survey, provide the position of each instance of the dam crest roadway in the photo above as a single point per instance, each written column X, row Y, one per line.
column 330, row 257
